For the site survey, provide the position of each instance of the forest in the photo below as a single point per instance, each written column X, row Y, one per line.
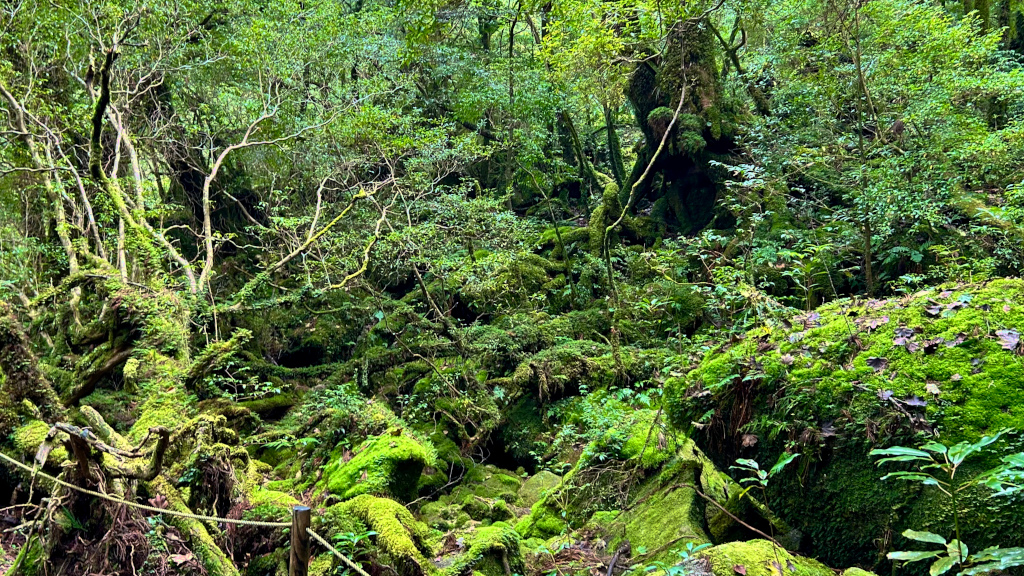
column 512, row 287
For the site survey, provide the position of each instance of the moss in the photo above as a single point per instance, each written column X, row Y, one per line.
column 398, row 533
column 166, row 405
column 322, row 565
column 384, row 465
column 30, row 561
column 28, row 437
column 648, row 440
column 757, row 558
column 667, row 513
column 444, row 515
column 542, row 522
column 537, row 485
column 490, row 551
column 483, row 509
column 200, row 541
column 277, row 402
column 337, row 519
column 857, row 572
column 825, row 395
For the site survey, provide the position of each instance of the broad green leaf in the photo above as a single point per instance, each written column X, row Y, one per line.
column 912, row 556
column 747, row 463
column 900, row 451
column 951, row 548
column 942, row 565
column 924, row 537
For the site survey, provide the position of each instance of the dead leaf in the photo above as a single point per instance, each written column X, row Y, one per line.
column 180, row 559
column 915, row 401
column 1006, row 307
column 878, row 364
column 749, row 440
column 787, row 359
column 1008, row 339
column 740, row 569
column 932, row 388
column 956, row 377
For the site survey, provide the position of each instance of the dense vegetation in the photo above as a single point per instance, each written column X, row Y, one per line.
column 513, row 287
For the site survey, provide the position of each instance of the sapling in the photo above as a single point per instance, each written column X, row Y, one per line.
column 760, row 479
column 937, row 465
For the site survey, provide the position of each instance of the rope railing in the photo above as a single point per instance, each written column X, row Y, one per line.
column 299, row 563
column 320, row 539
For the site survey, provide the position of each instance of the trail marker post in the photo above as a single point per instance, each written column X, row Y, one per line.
column 298, row 564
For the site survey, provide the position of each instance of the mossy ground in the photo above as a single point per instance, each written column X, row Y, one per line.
column 858, row 374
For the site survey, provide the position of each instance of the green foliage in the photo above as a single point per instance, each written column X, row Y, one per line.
column 937, row 465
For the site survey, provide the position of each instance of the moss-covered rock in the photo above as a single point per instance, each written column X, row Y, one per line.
column 859, row 374
column 537, row 485
column 757, row 558
column 389, row 465
column 398, row 534
column 491, row 551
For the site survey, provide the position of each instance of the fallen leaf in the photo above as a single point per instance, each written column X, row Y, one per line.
column 1008, row 339
column 749, row 440
column 930, row 346
column 1006, row 307
column 181, row 558
column 956, row 377
column 915, row 401
column 945, row 294
column 885, row 394
column 786, row 359
column 740, row 569
column 877, row 364
column 932, row 388
column 933, row 310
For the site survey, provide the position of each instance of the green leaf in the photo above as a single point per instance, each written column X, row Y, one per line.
column 912, row 556
column 936, row 447
column 784, row 460
column 942, row 565
column 924, row 537
column 746, row 463
column 951, row 548
column 901, row 452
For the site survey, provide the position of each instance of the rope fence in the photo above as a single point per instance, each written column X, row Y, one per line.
column 301, row 532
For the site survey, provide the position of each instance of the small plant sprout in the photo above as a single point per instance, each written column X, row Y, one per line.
column 937, row 465
column 679, row 566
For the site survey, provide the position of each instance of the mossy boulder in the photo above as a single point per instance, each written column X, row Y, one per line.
column 537, row 485
column 756, row 558
column 487, row 494
column 490, row 551
column 399, row 535
column 858, row 374
column 388, row 465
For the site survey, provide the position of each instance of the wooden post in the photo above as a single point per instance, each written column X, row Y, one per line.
column 298, row 565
